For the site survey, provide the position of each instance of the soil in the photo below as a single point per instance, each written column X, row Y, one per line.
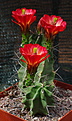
column 12, row 104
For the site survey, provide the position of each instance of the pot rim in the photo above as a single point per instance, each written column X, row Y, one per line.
column 9, row 116
column 66, row 117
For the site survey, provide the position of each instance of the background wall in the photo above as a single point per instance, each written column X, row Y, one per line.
column 10, row 37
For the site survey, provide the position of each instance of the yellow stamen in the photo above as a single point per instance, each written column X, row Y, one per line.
column 55, row 19
column 23, row 11
column 35, row 50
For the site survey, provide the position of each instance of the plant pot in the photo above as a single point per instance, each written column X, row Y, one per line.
column 4, row 116
column 4, row 93
column 63, row 85
column 67, row 117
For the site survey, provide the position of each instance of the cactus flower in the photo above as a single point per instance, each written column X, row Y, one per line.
column 24, row 18
column 52, row 25
column 33, row 54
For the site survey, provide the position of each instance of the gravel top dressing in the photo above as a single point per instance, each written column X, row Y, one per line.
column 12, row 104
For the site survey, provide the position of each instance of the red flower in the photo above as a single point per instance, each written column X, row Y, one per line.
column 52, row 25
column 24, row 18
column 33, row 54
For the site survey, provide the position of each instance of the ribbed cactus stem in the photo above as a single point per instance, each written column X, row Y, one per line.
column 38, row 87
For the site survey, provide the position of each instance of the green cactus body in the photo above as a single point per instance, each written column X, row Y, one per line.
column 38, row 88
column 38, row 91
column 37, row 99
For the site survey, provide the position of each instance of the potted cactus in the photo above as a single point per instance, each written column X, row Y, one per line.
column 36, row 74
column 5, row 116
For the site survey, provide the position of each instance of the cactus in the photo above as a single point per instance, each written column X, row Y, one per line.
column 37, row 88
column 36, row 78
column 37, row 99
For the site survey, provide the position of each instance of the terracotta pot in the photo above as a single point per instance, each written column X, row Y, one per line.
column 4, row 93
column 63, row 85
column 4, row 116
column 67, row 117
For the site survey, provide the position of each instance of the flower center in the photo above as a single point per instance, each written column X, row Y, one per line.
column 55, row 19
column 35, row 50
column 23, row 11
